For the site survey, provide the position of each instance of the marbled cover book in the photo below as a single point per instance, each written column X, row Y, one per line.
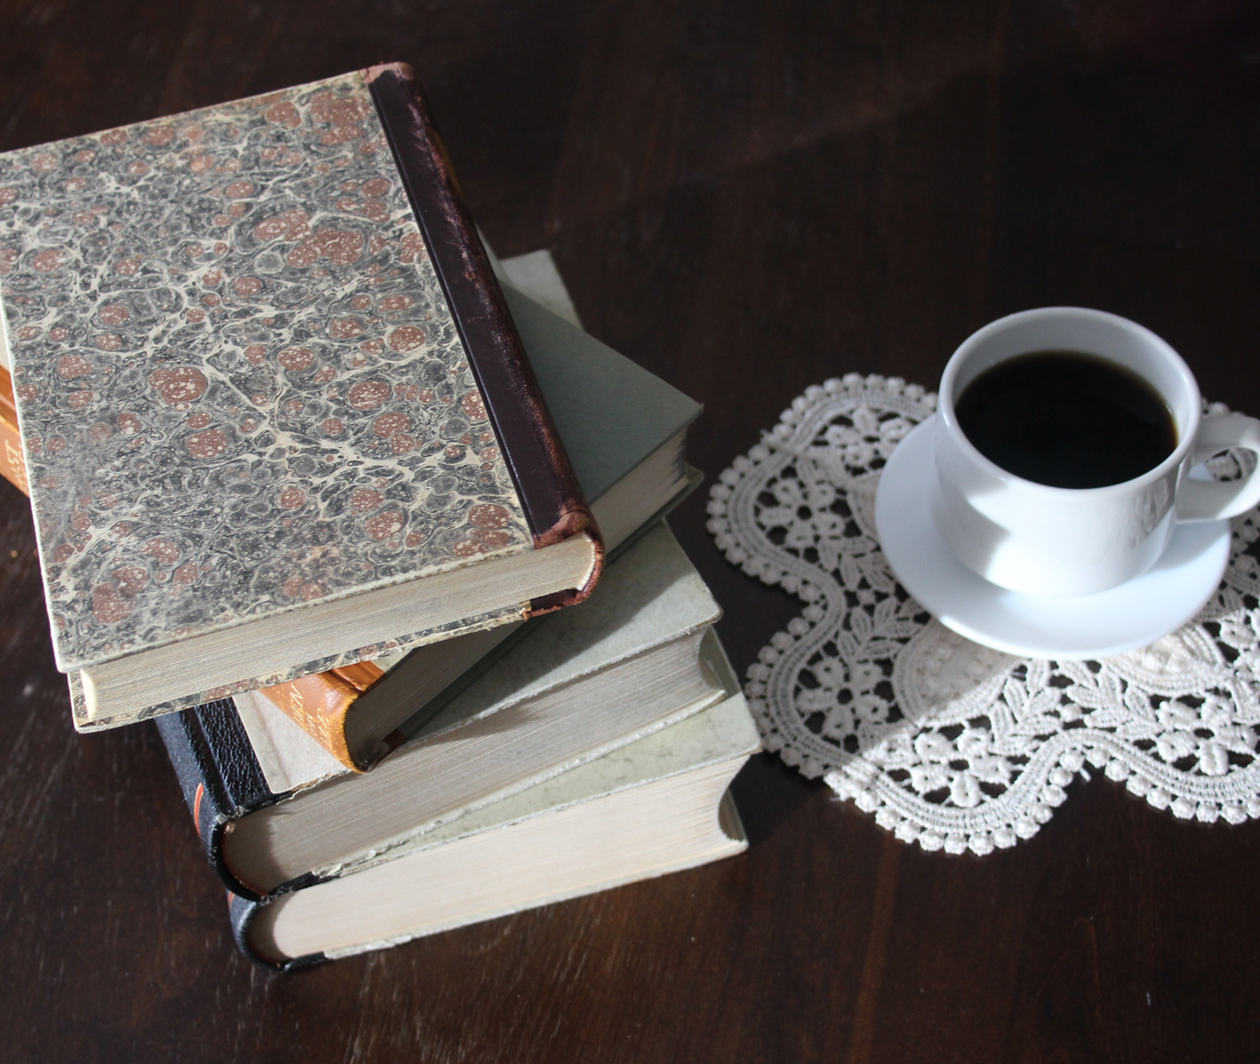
column 240, row 385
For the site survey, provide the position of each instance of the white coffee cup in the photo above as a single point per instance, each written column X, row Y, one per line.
column 1038, row 539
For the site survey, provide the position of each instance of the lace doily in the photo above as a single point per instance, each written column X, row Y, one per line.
column 948, row 743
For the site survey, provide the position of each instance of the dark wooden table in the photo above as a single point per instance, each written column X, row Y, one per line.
column 747, row 198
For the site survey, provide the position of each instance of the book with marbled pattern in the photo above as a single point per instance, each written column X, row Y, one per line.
column 276, row 416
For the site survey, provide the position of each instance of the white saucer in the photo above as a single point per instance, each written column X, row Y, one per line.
column 1153, row 604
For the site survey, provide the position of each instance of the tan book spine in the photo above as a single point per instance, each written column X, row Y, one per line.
column 319, row 703
column 12, row 467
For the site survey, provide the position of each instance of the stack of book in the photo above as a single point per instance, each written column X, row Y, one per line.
column 307, row 469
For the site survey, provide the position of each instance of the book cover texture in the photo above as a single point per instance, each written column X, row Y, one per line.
column 240, row 386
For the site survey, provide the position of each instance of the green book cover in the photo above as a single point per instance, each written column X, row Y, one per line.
column 625, row 431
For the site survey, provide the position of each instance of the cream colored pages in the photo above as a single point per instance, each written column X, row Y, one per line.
column 650, row 596
column 719, row 733
column 648, row 808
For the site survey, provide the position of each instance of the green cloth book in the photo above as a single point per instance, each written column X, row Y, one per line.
column 625, row 431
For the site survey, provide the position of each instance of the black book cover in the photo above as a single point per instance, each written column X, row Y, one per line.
column 219, row 775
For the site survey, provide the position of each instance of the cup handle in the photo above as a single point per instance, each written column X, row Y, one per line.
column 1206, row 500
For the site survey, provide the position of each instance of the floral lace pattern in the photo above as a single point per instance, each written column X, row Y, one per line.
column 950, row 744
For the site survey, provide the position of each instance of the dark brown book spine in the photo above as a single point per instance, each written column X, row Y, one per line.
column 544, row 480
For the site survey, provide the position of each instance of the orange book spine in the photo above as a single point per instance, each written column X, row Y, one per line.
column 12, row 467
column 319, row 703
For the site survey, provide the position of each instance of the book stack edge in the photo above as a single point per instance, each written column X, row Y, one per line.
column 481, row 767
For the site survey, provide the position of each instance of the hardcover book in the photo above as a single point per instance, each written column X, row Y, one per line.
column 273, row 808
column 659, row 804
column 272, row 404
column 625, row 430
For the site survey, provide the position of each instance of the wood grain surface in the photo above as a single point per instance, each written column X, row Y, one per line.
column 746, row 198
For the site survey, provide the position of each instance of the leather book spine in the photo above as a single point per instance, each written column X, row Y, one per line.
column 241, row 913
column 553, row 503
column 320, row 702
column 219, row 776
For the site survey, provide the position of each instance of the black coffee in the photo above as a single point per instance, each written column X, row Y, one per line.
column 1067, row 419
